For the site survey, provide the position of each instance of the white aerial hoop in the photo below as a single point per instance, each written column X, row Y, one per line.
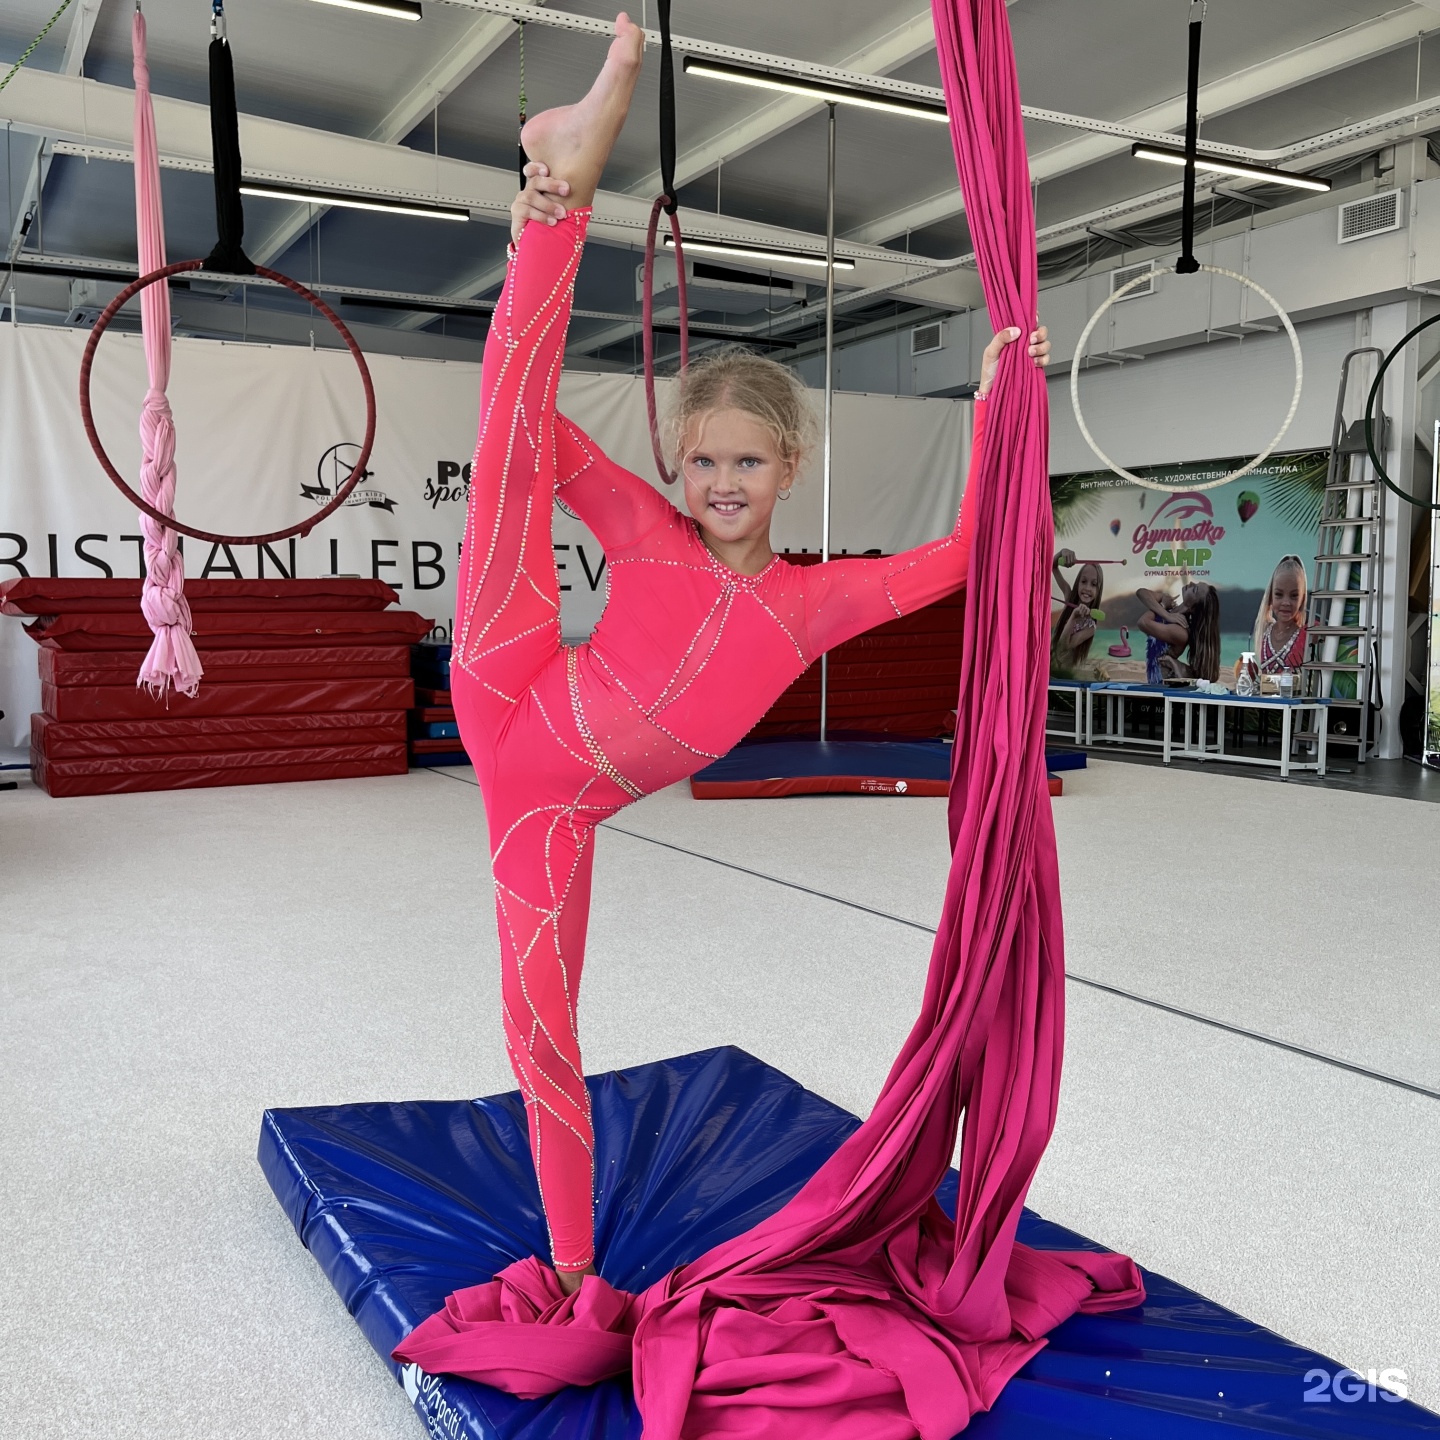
column 1234, row 474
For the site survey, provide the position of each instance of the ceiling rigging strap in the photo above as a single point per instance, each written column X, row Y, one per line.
column 229, row 255
column 1188, row 264
column 667, row 202
column 30, row 48
column 524, row 106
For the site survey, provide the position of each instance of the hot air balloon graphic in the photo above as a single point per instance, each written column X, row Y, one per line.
column 1114, row 527
column 1248, row 504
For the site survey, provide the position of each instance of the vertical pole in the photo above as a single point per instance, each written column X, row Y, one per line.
column 829, row 395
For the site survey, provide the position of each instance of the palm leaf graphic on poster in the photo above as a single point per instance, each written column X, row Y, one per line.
column 1072, row 502
column 1295, row 488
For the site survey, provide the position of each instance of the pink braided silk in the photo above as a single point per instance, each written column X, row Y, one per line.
column 172, row 659
column 860, row 1311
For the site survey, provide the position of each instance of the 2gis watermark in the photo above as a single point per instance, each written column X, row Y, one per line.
column 1350, row 1387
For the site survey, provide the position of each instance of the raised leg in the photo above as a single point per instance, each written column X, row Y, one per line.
column 573, row 142
column 507, row 618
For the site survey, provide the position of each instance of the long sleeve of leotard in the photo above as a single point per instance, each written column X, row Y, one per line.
column 614, row 502
column 846, row 597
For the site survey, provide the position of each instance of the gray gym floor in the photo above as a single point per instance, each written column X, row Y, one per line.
column 1250, row 1103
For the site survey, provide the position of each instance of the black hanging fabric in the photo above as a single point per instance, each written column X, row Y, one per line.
column 229, row 255
column 1187, row 263
column 667, row 112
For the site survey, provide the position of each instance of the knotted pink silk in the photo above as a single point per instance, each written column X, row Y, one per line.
column 172, row 659
column 860, row 1311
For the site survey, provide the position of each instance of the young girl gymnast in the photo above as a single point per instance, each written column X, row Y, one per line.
column 704, row 627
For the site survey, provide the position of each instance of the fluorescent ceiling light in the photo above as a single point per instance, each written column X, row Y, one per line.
column 815, row 89
column 275, row 191
column 393, row 9
column 1245, row 171
column 754, row 252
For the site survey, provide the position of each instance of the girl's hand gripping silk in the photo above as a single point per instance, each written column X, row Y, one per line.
column 859, row 1311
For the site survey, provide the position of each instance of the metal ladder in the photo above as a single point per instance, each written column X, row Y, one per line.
column 1343, row 606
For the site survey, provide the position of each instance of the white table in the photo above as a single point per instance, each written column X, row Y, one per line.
column 1199, row 747
column 1115, row 694
column 1080, row 691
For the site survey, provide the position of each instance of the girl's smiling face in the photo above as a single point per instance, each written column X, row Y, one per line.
column 733, row 474
column 1087, row 586
column 1285, row 596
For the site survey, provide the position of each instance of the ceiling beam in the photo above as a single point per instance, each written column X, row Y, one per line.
column 77, row 43
column 94, row 120
column 454, row 66
column 913, row 37
column 1335, row 52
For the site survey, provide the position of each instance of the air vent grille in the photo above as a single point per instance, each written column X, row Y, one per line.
column 1378, row 215
column 1126, row 273
column 925, row 339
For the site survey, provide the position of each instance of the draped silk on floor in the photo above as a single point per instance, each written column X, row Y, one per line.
column 859, row 1311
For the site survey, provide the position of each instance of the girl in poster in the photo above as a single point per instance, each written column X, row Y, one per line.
column 1279, row 624
column 1080, row 604
column 1171, row 626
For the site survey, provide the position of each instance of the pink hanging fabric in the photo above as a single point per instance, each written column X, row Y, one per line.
column 172, row 659
column 860, row 1311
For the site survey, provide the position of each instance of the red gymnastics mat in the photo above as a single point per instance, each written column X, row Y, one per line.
column 36, row 595
column 121, row 774
column 400, row 1204
column 240, row 630
column 120, row 667
column 128, row 702
column 54, row 740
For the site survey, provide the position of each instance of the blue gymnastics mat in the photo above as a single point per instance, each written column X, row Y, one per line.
column 402, row 1203
column 842, row 765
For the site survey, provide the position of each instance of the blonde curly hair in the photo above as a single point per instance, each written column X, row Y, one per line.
column 737, row 379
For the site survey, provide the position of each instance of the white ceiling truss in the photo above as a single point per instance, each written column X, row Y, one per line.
column 77, row 42
column 71, row 115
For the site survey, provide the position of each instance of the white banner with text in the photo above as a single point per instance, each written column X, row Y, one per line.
column 265, row 431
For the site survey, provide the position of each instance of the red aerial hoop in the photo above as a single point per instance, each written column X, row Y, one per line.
column 648, row 325
column 169, row 521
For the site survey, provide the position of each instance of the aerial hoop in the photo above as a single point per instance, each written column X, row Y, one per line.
column 647, row 324
column 169, row 521
column 1370, row 417
column 1234, row 474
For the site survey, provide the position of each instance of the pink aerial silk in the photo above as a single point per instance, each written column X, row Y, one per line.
column 860, row 1311
column 172, row 659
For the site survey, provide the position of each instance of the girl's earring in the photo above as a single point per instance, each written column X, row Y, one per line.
column 785, row 493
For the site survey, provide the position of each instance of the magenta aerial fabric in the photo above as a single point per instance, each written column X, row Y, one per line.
column 172, row 659
column 860, row 1311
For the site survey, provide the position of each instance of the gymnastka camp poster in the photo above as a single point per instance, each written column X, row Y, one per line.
column 1115, row 539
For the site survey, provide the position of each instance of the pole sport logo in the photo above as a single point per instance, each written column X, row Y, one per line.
column 335, row 467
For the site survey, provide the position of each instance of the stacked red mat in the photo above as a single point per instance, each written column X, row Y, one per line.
column 304, row 680
column 899, row 679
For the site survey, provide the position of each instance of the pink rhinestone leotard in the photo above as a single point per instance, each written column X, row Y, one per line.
column 688, row 655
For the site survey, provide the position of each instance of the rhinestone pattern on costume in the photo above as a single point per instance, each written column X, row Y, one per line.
column 687, row 657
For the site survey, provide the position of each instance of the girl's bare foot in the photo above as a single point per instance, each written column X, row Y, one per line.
column 574, row 141
column 570, row 1279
